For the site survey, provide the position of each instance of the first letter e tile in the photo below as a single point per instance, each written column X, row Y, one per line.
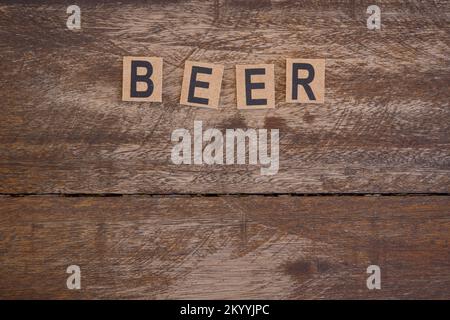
column 201, row 84
column 142, row 79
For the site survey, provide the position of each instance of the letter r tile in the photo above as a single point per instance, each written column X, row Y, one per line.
column 305, row 80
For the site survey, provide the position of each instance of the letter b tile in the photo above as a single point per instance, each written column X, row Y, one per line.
column 142, row 79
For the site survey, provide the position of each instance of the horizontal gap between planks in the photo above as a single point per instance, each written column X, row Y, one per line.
column 198, row 195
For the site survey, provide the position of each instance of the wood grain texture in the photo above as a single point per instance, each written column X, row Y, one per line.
column 384, row 126
column 225, row 247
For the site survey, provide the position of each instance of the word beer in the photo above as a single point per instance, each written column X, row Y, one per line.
column 255, row 84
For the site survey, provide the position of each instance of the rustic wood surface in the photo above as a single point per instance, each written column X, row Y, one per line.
column 68, row 144
column 384, row 126
column 225, row 247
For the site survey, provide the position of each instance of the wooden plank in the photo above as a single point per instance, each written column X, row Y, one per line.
column 384, row 126
column 225, row 247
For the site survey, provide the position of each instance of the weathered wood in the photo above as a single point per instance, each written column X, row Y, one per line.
column 384, row 126
column 225, row 247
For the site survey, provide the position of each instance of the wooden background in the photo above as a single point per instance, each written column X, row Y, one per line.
column 87, row 179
